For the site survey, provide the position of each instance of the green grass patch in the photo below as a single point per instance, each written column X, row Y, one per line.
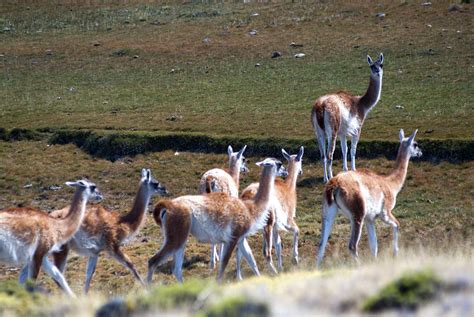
column 237, row 306
column 14, row 298
column 408, row 292
column 169, row 296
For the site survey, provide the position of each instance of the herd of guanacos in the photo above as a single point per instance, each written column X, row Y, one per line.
column 218, row 215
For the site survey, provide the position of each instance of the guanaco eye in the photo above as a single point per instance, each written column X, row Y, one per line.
column 93, row 188
column 381, row 66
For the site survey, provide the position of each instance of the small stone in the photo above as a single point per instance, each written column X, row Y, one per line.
column 454, row 7
column 299, row 55
column 206, row 41
column 429, row 25
column 176, row 153
column 380, row 15
column 142, row 19
column 399, row 107
column 49, row 52
column 426, row 4
column 293, row 44
column 28, row 186
column 96, row 44
column 54, row 187
column 72, row 89
column 253, row 32
column 136, row 56
column 257, row 65
column 254, row 14
column 276, row 54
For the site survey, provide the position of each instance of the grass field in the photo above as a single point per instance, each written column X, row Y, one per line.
column 75, row 66
column 143, row 67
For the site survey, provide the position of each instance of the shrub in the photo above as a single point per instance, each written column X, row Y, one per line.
column 237, row 306
column 407, row 292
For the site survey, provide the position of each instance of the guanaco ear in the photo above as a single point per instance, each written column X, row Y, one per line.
column 241, row 152
column 148, row 175
column 402, row 135
column 369, row 60
column 229, row 150
column 300, row 154
column 286, row 155
column 381, row 58
column 259, row 163
column 143, row 174
column 71, row 184
column 412, row 137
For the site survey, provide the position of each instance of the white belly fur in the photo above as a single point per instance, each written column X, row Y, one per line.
column 13, row 251
column 349, row 124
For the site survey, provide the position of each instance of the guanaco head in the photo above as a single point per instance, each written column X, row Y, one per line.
column 153, row 186
column 409, row 145
column 88, row 188
column 295, row 160
column 237, row 159
column 376, row 68
column 271, row 162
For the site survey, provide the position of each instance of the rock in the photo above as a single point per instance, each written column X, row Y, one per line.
column 54, row 187
column 72, row 89
column 399, row 107
column 257, row 65
column 48, row 52
column 380, row 15
column 276, row 54
column 454, row 7
column 142, row 19
column 206, row 41
column 115, row 307
column 253, row 32
column 293, row 44
column 426, row 4
column 136, row 56
column 254, row 14
column 174, row 117
column 299, row 55
column 28, row 186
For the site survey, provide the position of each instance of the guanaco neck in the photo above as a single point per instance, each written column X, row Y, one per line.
column 68, row 225
column 371, row 96
column 234, row 172
column 397, row 177
column 265, row 189
column 290, row 180
column 136, row 215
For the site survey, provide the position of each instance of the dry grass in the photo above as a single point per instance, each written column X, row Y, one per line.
column 429, row 213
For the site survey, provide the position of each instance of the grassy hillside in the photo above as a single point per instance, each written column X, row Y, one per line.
column 146, row 67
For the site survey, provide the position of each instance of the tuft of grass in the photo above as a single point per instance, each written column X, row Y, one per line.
column 408, row 292
column 14, row 298
column 237, row 306
column 169, row 296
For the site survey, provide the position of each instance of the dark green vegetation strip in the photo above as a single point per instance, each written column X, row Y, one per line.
column 115, row 145
column 407, row 292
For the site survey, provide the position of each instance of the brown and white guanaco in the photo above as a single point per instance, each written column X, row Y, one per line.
column 364, row 196
column 342, row 114
column 28, row 236
column 213, row 218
